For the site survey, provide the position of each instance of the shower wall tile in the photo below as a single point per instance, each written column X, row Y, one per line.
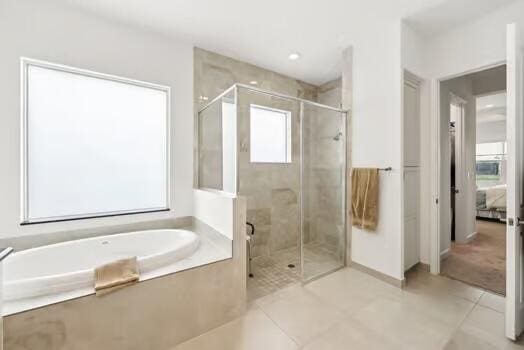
column 285, row 226
column 215, row 73
column 283, row 197
column 273, row 190
column 259, row 217
column 262, row 235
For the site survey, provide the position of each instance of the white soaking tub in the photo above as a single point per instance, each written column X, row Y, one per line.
column 69, row 266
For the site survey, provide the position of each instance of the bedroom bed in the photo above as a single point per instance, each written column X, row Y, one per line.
column 491, row 202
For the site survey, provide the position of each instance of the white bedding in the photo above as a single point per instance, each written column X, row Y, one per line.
column 495, row 197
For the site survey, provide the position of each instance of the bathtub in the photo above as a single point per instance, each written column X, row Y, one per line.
column 69, row 266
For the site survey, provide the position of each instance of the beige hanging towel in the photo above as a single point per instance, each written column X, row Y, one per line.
column 115, row 275
column 364, row 198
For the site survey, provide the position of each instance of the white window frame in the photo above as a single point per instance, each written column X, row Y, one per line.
column 25, row 63
column 289, row 139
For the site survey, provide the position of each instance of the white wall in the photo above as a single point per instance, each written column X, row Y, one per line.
column 44, row 30
column 215, row 208
column 474, row 45
column 376, row 138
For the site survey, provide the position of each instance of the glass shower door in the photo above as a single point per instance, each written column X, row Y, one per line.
column 323, row 188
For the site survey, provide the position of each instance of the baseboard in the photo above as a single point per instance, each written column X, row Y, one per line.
column 419, row 266
column 471, row 237
column 444, row 254
column 379, row 275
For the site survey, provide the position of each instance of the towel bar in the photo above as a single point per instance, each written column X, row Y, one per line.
column 386, row 169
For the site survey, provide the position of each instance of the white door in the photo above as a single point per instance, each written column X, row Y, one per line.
column 460, row 214
column 514, row 258
column 411, row 124
column 411, row 217
column 411, row 171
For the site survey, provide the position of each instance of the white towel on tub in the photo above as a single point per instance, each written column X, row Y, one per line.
column 116, row 275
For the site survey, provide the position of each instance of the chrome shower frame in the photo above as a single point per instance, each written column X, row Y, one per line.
column 341, row 136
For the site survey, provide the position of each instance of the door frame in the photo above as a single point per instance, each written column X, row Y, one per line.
column 436, row 166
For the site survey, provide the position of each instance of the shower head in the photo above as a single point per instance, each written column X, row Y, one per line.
column 338, row 136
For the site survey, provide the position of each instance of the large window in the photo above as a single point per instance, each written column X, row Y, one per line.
column 93, row 144
column 270, row 135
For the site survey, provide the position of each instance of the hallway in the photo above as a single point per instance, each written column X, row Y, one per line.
column 482, row 262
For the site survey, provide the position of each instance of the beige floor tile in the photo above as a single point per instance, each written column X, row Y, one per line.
column 493, row 301
column 462, row 340
column 487, row 326
column 253, row 331
column 300, row 313
column 440, row 306
column 423, row 282
column 350, row 290
column 352, row 310
column 349, row 334
column 404, row 325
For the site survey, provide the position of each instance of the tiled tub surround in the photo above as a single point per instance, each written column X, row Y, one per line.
column 69, row 266
column 157, row 313
column 212, row 247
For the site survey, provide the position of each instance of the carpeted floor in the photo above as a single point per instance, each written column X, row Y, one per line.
column 482, row 262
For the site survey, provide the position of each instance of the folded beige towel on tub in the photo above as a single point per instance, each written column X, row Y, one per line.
column 115, row 275
column 364, row 198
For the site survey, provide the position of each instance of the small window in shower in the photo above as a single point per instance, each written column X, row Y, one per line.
column 270, row 135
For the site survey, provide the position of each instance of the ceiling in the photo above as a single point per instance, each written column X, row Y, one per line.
column 451, row 14
column 491, row 108
column 265, row 32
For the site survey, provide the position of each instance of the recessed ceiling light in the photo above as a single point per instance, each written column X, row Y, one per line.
column 294, row 56
column 253, row 82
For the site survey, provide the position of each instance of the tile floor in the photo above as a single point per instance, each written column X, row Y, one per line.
column 351, row 310
column 272, row 273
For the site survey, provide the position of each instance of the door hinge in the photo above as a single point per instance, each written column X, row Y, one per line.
column 515, row 221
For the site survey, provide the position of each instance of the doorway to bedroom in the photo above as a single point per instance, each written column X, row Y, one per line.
column 473, row 241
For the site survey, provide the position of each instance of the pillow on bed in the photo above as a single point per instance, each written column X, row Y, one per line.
column 496, row 197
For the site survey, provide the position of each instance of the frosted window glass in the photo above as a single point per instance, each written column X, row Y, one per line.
column 492, row 148
column 94, row 146
column 270, row 135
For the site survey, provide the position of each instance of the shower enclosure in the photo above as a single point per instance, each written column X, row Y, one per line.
column 287, row 156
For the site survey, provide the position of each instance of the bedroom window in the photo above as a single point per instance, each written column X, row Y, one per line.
column 490, row 160
column 93, row 144
column 270, row 135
